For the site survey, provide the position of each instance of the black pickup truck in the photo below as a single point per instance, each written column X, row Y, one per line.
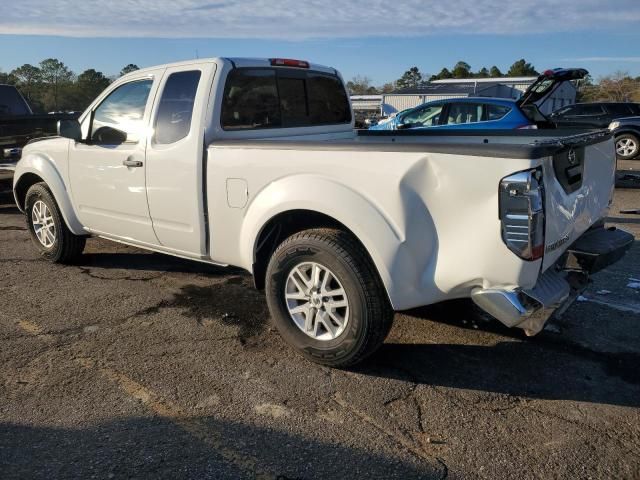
column 18, row 124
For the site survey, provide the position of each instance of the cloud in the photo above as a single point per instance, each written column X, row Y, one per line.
column 301, row 19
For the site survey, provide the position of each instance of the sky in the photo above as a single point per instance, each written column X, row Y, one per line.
column 379, row 39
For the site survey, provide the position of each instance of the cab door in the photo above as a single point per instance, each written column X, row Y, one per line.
column 175, row 159
column 107, row 170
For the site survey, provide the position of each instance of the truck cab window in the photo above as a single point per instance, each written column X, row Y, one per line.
column 278, row 98
column 250, row 100
column 118, row 119
column 173, row 120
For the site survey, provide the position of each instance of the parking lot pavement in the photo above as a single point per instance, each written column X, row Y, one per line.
column 134, row 364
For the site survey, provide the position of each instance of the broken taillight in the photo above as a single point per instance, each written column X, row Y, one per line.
column 521, row 200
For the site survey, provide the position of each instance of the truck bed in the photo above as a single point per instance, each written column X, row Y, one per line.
column 429, row 191
column 525, row 144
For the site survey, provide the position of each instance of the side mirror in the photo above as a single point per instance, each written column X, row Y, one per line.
column 109, row 136
column 70, row 129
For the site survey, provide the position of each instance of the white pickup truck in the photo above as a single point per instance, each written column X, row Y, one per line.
column 255, row 163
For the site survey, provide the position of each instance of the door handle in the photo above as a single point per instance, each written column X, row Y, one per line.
column 132, row 163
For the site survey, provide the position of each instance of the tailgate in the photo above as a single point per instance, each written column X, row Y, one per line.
column 578, row 179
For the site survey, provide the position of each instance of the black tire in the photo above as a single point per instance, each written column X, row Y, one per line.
column 67, row 247
column 370, row 313
column 632, row 146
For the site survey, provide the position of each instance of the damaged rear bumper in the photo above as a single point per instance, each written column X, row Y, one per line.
column 559, row 286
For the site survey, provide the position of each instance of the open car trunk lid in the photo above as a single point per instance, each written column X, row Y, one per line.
column 579, row 179
column 547, row 83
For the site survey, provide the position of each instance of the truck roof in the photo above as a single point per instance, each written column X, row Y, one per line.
column 238, row 62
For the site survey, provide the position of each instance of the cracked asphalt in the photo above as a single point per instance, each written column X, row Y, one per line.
column 137, row 365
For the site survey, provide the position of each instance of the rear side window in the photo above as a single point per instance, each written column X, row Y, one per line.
column 496, row 112
column 270, row 98
column 590, row 110
column 619, row 109
column 460, row 113
column 175, row 110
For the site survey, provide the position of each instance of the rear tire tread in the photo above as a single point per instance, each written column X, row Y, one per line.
column 378, row 311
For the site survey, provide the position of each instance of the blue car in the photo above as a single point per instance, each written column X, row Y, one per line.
column 476, row 113
column 484, row 113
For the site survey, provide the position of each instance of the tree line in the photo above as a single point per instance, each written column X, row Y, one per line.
column 413, row 77
column 51, row 86
column 618, row 87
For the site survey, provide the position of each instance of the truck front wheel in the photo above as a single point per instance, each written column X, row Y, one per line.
column 326, row 298
column 48, row 230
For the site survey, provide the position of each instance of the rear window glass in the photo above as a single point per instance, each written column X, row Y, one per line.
column 11, row 102
column 270, row 98
column 496, row 112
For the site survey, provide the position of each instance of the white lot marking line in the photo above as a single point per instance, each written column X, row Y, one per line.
column 168, row 411
column 623, row 307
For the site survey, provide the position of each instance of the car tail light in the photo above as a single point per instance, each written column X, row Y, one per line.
column 527, row 126
column 521, row 207
column 288, row 62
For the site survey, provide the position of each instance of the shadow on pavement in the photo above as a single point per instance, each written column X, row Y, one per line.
column 7, row 202
column 628, row 220
column 159, row 448
column 628, row 174
column 542, row 367
column 152, row 262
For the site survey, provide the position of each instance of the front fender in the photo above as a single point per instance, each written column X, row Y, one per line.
column 375, row 231
column 42, row 166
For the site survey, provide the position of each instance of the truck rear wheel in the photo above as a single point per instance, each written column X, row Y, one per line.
column 326, row 298
column 48, row 230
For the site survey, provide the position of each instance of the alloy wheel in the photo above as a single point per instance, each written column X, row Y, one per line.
column 317, row 301
column 626, row 147
column 43, row 224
